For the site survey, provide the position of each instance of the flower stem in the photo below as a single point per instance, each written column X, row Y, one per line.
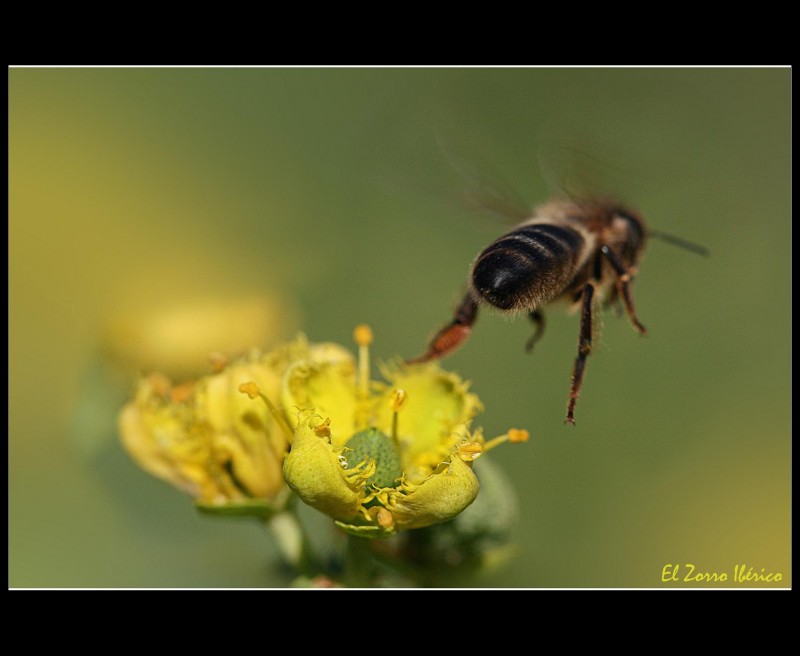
column 359, row 564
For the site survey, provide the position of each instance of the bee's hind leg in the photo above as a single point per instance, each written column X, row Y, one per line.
column 584, row 349
column 537, row 317
column 454, row 334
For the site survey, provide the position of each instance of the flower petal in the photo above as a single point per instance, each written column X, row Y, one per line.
column 156, row 434
column 434, row 418
column 243, row 433
column 314, row 472
column 439, row 498
column 210, row 440
column 327, row 388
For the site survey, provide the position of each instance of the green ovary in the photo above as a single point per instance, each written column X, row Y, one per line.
column 372, row 443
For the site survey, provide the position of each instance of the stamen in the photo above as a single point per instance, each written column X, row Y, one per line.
column 385, row 518
column 324, row 429
column 514, row 435
column 182, row 392
column 396, row 402
column 218, row 361
column 160, row 384
column 252, row 390
column 518, row 435
column 363, row 337
column 363, row 334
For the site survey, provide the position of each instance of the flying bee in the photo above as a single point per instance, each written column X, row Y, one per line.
column 582, row 252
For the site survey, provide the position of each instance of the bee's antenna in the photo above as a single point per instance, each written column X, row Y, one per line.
column 682, row 243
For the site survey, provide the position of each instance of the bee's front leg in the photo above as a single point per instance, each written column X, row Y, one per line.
column 624, row 279
column 453, row 335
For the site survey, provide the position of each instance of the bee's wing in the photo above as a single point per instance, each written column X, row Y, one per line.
column 571, row 169
column 568, row 169
column 484, row 190
column 582, row 168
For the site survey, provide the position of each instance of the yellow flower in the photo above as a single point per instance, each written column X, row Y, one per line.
column 382, row 456
column 210, row 440
column 177, row 339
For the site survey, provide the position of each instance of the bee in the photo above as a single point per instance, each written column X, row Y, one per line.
column 581, row 252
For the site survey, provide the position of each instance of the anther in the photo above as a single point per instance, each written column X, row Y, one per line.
column 218, row 361
column 250, row 388
column 363, row 335
column 514, row 435
column 385, row 518
column 324, row 429
column 397, row 400
column 518, row 435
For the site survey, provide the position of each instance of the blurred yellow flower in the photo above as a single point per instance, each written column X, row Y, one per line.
column 209, row 440
column 382, row 456
column 177, row 339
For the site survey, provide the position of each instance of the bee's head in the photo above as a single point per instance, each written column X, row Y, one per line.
column 632, row 235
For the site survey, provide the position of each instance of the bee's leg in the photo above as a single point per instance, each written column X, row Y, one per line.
column 537, row 316
column 614, row 303
column 454, row 334
column 624, row 280
column 584, row 349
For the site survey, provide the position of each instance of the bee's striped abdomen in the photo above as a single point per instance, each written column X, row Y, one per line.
column 530, row 265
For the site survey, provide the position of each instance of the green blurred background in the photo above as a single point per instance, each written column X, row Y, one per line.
column 134, row 192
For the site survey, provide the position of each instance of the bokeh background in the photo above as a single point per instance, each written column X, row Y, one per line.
column 154, row 212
